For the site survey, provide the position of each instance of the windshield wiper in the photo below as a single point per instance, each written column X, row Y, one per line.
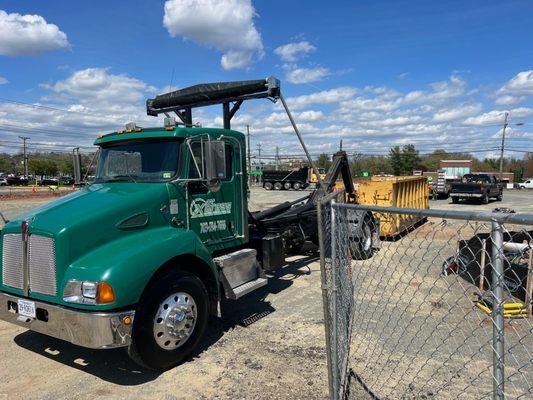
column 118, row 178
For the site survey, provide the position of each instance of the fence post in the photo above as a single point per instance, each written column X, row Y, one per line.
column 326, row 293
column 497, row 311
column 334, row 316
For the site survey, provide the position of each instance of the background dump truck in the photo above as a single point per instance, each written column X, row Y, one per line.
column 282, row 179
column 141, row 257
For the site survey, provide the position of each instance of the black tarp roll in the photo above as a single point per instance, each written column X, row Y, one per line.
column 206, row 92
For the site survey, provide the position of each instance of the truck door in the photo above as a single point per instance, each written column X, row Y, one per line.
column 215, row 213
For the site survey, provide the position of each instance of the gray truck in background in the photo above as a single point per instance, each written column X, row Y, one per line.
column 477, row 186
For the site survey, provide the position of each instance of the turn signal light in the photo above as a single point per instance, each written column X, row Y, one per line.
column 106, row 294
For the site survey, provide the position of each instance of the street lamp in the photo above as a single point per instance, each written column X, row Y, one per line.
column 505, row 125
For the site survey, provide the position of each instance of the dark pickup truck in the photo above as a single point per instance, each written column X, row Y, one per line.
column 478, row 186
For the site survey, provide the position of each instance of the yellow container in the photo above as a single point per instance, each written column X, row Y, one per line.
column 395, row 191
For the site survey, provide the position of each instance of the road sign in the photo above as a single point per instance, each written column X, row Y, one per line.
column 366, row 174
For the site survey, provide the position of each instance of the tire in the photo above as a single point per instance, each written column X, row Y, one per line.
column 500, row 197
column 485, row 199
column 268, row 185
column 153, row 342
column 363, row 248
column 296, row 185
column 287, row 186
column 278, row 186
column 455, row 200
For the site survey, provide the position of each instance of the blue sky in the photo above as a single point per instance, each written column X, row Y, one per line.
column 373, row 73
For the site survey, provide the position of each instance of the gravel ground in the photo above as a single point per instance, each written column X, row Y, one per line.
column 268, row 345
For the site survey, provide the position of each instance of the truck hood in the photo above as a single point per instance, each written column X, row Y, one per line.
column 89, row 217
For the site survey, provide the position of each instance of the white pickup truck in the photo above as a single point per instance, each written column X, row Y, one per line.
column 527, row 184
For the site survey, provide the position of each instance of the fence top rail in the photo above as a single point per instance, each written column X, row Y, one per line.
column 521, row 219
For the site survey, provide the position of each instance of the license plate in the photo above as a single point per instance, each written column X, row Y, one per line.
column 26, row 308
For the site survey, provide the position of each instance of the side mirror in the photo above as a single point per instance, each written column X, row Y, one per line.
column 215, row 160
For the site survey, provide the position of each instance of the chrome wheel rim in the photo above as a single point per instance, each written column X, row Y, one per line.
column 175, row 320
column 367, row 244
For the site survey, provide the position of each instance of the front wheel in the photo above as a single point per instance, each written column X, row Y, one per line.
column 170, row 321
column 455, row 200
column 485, row 199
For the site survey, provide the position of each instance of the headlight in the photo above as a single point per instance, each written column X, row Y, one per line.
column 88, row 292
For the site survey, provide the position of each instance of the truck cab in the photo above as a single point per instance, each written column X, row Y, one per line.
column 165, row 201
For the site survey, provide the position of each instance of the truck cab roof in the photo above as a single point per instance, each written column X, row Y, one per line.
column 160, row 132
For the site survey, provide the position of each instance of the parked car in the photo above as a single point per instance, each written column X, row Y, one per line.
column 3, row 182
column 528, row 184
column 49, row 182
column 477, row 186
column 16, row 181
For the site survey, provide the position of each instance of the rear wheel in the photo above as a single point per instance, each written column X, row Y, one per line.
column 278, row 186
column 287, row 186
column 485, row 199
column 296, row 185
column 455, row 200
column 500, row 197
column 268, row 185
column 170, row 321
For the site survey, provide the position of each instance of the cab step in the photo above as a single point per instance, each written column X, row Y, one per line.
column 240, row 273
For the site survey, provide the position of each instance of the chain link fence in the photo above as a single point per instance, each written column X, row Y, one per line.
column 441, row 310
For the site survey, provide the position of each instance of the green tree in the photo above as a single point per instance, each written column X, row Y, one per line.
column 41, row 167
column 410, row 159
column 395, row 160
column 323, row 161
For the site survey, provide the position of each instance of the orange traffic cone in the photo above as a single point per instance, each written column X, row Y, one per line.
column 33, row 190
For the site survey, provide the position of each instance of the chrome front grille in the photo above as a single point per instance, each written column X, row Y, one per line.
column 42, row 265
column 12, row 260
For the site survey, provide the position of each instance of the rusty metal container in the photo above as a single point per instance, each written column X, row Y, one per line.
column 395, row 191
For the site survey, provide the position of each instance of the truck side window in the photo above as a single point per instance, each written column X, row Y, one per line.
column 229, row 162
column 197, row 153
column 196, row 148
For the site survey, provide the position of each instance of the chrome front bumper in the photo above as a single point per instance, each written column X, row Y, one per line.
column 466, row 194
column 95, row 330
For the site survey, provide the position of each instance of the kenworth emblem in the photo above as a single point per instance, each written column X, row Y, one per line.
column 207, row 208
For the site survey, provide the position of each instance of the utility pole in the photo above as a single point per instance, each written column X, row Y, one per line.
column 277, row 158
column 259, row 159
column 25, row 157
column 505, row 123
column 249, row 169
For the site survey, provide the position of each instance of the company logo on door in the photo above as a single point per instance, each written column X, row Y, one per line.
column 207, row 208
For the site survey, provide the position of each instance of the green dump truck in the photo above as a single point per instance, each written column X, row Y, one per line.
column 143, row 256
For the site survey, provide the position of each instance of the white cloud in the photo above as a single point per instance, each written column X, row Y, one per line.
column 330, row 96
column 497, row 116
column 440, row 92
column 3, row 80
column 455, row 113
column 516, row 90
column 293, row 51
column 306, row 75
column 98, row 88
column 227, row 26
column 22, row 35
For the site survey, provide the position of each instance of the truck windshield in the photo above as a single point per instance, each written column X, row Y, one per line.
column 141, row 161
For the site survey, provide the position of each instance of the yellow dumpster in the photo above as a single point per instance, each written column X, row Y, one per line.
column 395, row 191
